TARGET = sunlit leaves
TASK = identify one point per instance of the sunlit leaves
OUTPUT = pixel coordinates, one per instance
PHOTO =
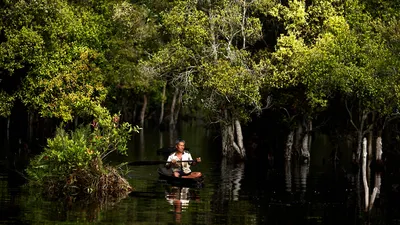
(187, 24)
(22, 47)
(235, 85)
(286, 60)
(68, 92)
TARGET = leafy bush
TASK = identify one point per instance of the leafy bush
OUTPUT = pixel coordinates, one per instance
(80, 150)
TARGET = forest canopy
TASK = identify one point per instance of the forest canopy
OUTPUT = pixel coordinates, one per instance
(231, 60)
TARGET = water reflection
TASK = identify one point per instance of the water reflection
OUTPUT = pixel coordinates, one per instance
(288, 176)
(299, 178)
(142, 143)
(233, 193)
(179, 198)
(231, 176)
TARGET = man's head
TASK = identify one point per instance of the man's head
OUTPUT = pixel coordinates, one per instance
(180, 145)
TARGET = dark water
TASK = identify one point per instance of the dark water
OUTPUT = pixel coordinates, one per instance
(255, 192)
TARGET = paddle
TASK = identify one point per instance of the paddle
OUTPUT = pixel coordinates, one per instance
(154, 162)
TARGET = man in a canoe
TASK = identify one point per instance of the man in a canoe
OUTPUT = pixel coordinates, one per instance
(182, 169)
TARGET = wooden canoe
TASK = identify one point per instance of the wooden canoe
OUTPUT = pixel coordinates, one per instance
(166, 175)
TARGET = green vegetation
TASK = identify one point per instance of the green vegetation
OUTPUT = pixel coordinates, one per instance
(230, 60)
(72, 162)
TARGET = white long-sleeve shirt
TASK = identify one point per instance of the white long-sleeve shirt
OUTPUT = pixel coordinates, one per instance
(184, 166)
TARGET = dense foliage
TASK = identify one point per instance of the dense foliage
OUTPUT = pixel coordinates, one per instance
(73, 161)
(228, 59)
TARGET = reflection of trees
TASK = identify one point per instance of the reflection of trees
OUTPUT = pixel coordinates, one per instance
(300, 175)
(226, 197)
(231, 176)
(288, 176)
(142, 144)
(65, 210)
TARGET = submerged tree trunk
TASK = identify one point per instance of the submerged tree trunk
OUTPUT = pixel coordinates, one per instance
(232, 137)
(288, 176)
(364, 173)
(300, 176)
(289, 146)
(369, 149)
(375, 192)
(231, 177)
(297, 139)
(378, 154)
(360, 135)
(239, 137)
(305, 148)
(369, 153)
(143, 111)
(160, 120)
(237, 176)
(224, 137)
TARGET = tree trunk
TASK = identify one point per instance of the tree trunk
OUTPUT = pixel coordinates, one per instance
(376, 191)
(364, 173)
(360, 134)
(369, 153)
(162, 103)
(143, 111)
(172, 111)
(239, 137)
(233, 144)
(289, 145)
(298, 138)
(224, 134)
(305, 147)
(214, 44)
(378, 154)
(178, 108)
(370, 141)
(232, 137)
(378, 158)
(243, 24)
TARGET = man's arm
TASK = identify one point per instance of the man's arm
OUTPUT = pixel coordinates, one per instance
(190, 158)
(172, 162)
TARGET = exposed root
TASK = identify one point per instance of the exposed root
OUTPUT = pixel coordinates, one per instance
(96, 181)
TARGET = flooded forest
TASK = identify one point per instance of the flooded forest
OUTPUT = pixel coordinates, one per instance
(293, 107)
